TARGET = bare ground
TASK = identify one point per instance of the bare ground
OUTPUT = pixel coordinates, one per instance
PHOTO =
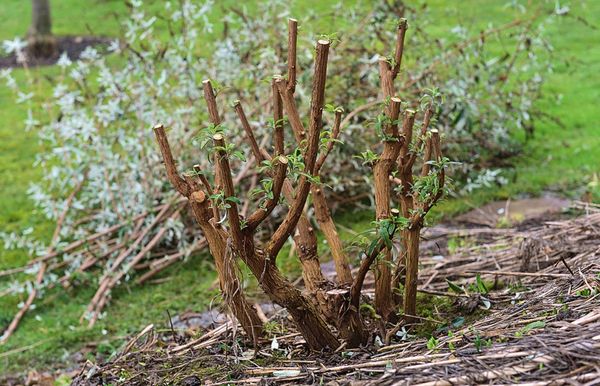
(73, 46)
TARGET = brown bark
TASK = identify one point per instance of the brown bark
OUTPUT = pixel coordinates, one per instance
(232, 290)
(305, 238)
(310, 155)
(279, 289)
(351, 325)
(304, 313)
(292, 40)
(381, 173)
(405, 161)
(402, 26)
(323, 214)
(327, 225)
(412, 269)
(277, 120)
(412, 234)
(213, 113)
(306, 246)
(235, 226)
(225, 265)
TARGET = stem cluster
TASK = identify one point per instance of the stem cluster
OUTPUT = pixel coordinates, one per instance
(325, 306)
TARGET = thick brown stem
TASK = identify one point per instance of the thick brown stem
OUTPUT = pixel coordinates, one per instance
(211, 102)
(292, 40)
(208, 188)
(306, 243)
(323, 217)
(413, 232)
(304, 313)
(305, 240)
(381, 173)
(289, 105)
(402, 26)
(385, 78)
(226, 267)
(412, 270)
(178, 183)
(249, 133)
(351, 325)
(277, 119)
(406, 200)
(426, 157)
(405, 160)
(216, 238)
(365, 265)
(213, 113)
(235, 227)
(306, 247)
(310, 155)
(407, 132)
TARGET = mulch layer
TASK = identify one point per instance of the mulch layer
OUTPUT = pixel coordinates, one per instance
(538, 324)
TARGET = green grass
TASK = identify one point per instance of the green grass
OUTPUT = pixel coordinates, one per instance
(558, 158)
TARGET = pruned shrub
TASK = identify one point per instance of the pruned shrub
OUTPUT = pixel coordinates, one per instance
(101, 179)
(233, 236)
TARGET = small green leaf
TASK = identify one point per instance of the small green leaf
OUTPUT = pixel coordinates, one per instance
(234, 199)
(432, 343)
(482, 289)
(529, 327)
(372, 247)
(454, 287)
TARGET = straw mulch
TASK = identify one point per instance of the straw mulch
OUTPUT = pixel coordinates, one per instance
(542, 326)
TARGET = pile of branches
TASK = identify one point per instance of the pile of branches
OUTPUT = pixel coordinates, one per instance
(545, 329)
(102, 182)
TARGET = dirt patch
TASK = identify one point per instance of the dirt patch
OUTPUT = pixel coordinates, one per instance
(511, 212)
(73, 46)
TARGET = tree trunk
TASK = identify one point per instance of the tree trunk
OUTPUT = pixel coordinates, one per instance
(41, 43)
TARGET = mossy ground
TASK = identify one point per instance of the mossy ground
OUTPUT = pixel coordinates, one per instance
(563, 159)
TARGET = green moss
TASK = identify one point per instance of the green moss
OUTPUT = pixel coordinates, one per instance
(435, 308)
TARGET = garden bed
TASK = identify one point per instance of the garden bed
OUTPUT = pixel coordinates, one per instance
(504, 306)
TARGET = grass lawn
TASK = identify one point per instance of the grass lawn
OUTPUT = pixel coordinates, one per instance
(564, 159)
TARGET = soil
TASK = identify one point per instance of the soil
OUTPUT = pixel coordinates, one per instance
(72, 45)
(511, 212)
